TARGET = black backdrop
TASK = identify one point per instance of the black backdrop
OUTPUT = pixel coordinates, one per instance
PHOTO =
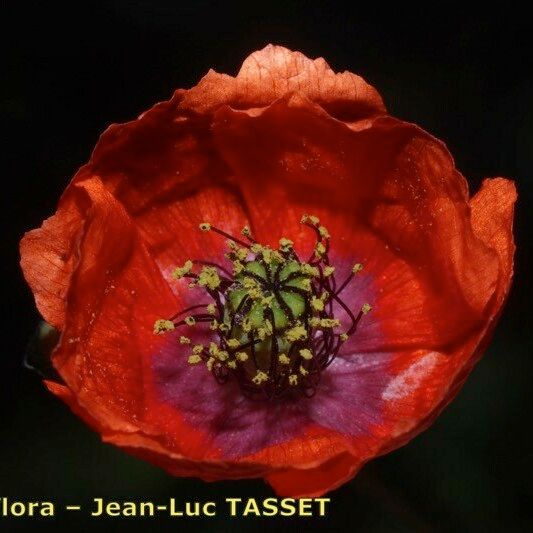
(70, 71)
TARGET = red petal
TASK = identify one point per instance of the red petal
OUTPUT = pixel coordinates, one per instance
(164, 170)
(492, 221)
(314, 482)
(48, 256)
(273, 72)
(115, 294)
(391, 180)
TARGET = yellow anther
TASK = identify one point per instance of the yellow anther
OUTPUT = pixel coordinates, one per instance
(180, 272)
(285, 244)
(197, 349)
(246, 231)
(232, 364)
(314, 322)
(253, 288)
(296, 333)
(267, 255)
(328, 271)
(260, 377)
(306, 219)
(209, 278)
(238, 267)
(320, 249)
(303, 371)
(246, 325)
(192, 285)
(357, 268)
(241, 253)
(211, 309)
(213, 348)
(309, 270)
(283, 359)
(324, 233)
(366, 308)
(306, 284)
(241, 356)
(194, 359)
(343, 337)
(205, 226)
(261, 333)
(233, 343)
(185, 340)
(293, 379)
(162, 325)
(222, 355)
(209, 364)
(223, 327)
(249, 283)
(256, 248)
(306, 354)
(232, 245)
(268, 327)
(190, 321)
(214, 325)
(317, 304)
(329, 323)
(277, 257)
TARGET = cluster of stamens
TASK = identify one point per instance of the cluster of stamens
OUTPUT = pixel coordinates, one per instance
(272, 318)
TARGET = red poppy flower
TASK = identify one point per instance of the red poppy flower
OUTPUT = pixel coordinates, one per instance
(276, 369)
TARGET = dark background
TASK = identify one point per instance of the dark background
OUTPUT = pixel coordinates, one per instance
(467, 78)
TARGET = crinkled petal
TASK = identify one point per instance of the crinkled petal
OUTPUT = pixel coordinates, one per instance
(48, 256)
(274, 72)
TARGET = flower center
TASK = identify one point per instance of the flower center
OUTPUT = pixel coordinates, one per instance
(272, 318)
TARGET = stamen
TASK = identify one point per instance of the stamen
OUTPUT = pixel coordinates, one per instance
(324, 233)
(310, 219)
(241, 356)
(328, 271)
(246, 232)
(260, 377)
(180, 272)
(296, 333)
(283, 359)
(209, 278)
(162, 325)
(317, 304)
(306, 354)
(320, 249)
(285, 245)
(205, 226)
(272, 317)
(233, 343)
